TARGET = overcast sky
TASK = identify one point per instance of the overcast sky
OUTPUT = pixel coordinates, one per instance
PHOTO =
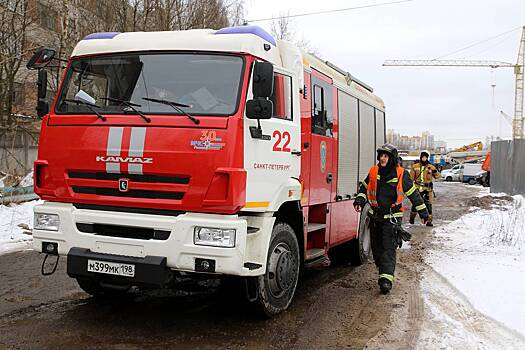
(455, 104)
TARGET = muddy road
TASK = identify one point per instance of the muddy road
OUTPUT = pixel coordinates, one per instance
(334, 307)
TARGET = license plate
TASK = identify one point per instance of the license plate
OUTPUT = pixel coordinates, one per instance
(110, 268)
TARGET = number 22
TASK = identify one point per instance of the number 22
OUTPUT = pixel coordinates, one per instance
(285, 136)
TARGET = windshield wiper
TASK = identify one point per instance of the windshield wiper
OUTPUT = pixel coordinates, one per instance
(89, 106)
(176, 106)
(128, 104)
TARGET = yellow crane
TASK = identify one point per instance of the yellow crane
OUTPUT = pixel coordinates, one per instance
(476, 146)
(517, 121)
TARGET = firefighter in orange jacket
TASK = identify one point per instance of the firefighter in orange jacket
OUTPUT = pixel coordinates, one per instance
(423, 173)
(384, 188)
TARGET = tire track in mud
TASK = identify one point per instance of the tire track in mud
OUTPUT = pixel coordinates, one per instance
(415, 314)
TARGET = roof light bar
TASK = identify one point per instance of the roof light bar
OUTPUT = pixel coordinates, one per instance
(102, 35)
(255, 30)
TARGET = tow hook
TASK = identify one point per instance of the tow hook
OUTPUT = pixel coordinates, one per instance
(44, 273)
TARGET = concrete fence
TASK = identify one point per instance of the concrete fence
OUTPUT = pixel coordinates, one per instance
(508, 167)
(18, 151)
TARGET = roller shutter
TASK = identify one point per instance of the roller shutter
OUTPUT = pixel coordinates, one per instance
(380, 128)
(348, 145)
(367, 150)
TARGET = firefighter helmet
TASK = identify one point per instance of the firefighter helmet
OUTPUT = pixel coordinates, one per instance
(424, 152)
(389, 149)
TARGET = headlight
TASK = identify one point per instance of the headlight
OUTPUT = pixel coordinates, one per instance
(49, 222)
(212, 236)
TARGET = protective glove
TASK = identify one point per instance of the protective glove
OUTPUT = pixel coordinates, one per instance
(359, 203)
(400, 235)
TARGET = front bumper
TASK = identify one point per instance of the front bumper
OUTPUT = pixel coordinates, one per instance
(150, 270)
(247, 258)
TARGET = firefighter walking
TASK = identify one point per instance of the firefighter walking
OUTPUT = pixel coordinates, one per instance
(423, 173)
(384, 188)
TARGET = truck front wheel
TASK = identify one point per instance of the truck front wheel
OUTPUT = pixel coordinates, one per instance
(277, 286)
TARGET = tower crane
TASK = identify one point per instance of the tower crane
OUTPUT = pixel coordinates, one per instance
(518, 120)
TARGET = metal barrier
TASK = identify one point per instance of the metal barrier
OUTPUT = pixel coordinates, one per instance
(17, 194)
(508, 167)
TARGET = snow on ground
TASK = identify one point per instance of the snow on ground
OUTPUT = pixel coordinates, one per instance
(12, 217)
(482, 255)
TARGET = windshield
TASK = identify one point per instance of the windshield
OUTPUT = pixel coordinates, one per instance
(209, 84)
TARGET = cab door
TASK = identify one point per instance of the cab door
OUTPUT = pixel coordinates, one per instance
(322, 142)
(273, 159)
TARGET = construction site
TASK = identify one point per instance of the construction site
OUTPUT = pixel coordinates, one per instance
(239, 175)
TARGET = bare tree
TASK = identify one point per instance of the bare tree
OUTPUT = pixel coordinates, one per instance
(15, 19)
(283, 28)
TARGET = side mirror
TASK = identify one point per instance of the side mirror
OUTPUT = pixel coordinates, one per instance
(42, 84)
(262, 85)
(259, 109)
(40, 58)
(42, 107)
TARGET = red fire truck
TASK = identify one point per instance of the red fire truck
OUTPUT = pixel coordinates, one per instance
(215, 152)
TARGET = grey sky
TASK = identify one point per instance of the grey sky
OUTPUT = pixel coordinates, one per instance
(455, 104)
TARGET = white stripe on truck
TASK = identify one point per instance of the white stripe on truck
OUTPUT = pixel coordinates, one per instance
(114, 147)
(136, 148)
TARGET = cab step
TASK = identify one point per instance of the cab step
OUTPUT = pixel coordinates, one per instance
(312, 226)
(314, 253)
(317, 261)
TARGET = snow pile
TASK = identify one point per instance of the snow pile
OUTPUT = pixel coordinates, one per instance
(16, 222)
(27, 180)
(483, 255)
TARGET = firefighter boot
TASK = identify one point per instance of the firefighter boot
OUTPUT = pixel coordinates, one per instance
(412, 217)
(385, 285)
(429, 222)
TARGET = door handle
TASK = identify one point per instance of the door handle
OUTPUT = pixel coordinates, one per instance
(329, 178)
(296, 153)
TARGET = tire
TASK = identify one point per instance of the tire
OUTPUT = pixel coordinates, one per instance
(341, 254)
(277, 286)
(360, 247)
(449, 179)
(471, 181)
(94, 288)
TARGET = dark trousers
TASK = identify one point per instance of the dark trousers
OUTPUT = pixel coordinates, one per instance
(383, 246)
(427, 198)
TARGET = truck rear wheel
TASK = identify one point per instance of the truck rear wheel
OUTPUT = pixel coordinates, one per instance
(341, 254)
(360, 247)
(94, 288)
(276, 287)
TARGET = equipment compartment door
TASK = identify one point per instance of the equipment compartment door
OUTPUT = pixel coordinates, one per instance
(321, 161)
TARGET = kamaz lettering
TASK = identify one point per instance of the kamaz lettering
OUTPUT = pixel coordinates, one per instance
(112, 159)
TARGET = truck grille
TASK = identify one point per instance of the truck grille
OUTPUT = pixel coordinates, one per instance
(183, 180)
(124, 231)
(100, 191)
(140, 186)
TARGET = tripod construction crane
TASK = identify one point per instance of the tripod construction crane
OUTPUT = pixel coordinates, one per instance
(518, 120)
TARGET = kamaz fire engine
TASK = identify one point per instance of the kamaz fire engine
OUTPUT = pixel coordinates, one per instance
(202, 152)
